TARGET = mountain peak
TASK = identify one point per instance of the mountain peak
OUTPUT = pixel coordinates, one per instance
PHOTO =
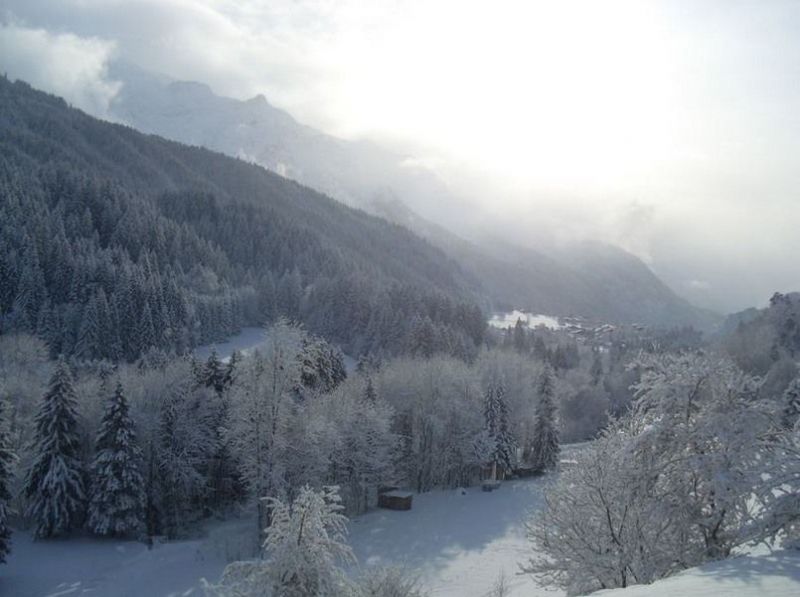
(190, 88)
(259, 99)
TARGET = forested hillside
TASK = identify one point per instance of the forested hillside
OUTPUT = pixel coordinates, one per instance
(588, 279)
(113, 242)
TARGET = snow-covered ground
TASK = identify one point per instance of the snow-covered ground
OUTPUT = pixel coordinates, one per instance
(760, 573)
(508, 320)
(457, 544)
(245, 341)
(88, 566)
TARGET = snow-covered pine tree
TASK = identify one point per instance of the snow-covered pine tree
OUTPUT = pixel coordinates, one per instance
(370, 395)
(31, 289)
(212, 373)
(496, 416)
(791, 404)
(87, 346)
(225, 480)
(544, 443)
(54, 485)
(230, 369)
(596, 370)
(6, 458)
(519, 335)
(117, 498)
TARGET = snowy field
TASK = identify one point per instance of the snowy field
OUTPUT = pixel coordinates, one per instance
(456, 544)
(245, 341)
(100, 568)
(509, 320)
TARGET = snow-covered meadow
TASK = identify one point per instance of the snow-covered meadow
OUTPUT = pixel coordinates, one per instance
(456, 543)
(247, 340)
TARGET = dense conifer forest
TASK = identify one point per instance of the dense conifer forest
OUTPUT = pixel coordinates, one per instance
(113, 242)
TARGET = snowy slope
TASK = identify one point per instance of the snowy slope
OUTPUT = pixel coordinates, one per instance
(758, 574)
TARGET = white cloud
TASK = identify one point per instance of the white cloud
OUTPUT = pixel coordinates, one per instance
(64, 64)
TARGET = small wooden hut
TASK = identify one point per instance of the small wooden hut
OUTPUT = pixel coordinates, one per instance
(395, 500)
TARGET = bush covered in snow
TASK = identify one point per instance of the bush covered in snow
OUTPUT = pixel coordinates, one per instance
(668, 486)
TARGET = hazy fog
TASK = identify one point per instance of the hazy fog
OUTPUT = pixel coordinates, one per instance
(669, 128)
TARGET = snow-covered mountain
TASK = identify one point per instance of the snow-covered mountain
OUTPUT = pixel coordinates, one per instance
(353, 172)
(592, 280)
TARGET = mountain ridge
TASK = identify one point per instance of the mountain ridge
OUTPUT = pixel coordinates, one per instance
(555, 281)
(232, 242)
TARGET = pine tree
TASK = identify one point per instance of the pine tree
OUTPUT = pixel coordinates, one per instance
(117, 502)
(89, 335)
(496, 416)
(520, 338)
(370, 395)
(145, 333)
(31, 290)
(230, 370)
(596, 370)
(791, 404)
(545, 445)
(54, 485)
(213, 374)
(6, 459)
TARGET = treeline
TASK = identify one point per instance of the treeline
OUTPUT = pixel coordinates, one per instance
(151, 448)
(113, 243)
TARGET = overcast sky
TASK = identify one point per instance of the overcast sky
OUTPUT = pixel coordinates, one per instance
(671, 128)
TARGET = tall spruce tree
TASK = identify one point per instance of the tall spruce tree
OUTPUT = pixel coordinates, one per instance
(225, 481)
(31, 289)
(54, 485)
(6, 459)
(117, 501)
(496, 416)
(520, 337)
(87, 345)
(213, 373)
(545, 446)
